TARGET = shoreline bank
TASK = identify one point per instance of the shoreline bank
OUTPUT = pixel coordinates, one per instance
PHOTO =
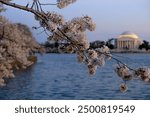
(130, 51)
(55, 50)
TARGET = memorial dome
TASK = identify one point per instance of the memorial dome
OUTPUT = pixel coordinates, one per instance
(129, 35)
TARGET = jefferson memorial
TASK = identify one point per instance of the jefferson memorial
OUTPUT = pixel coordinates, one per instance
(128, 40)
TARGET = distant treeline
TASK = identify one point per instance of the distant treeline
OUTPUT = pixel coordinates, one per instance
(52, 47)
(145, 45)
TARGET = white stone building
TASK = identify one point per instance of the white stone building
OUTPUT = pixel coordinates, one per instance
(128, 40)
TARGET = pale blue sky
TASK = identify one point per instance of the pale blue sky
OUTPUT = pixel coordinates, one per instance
(111, 16)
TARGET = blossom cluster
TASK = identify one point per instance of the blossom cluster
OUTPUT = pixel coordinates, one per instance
(143, 74)
(123, 72)
(52, 21)
(123, 87)
(55, 18)
(128, 74)
(74, 31)
(94, 58)
(63, 3)
(79, 24)
(16, 45)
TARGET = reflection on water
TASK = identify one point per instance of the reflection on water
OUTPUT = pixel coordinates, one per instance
(57, 76)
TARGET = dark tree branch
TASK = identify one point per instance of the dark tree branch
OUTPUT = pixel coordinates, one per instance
(35, 12)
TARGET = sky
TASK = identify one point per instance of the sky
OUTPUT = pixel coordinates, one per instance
(112, 17)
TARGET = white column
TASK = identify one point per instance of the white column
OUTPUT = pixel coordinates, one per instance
(117, 43)
(125, 42)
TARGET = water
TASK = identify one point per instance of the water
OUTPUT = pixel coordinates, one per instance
(59, 76)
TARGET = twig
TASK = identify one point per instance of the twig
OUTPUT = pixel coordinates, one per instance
(39, 5)
(47, 4)
(118, 61)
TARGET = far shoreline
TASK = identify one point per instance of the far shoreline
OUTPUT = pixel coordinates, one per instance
(130, 51)
(53, 49)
